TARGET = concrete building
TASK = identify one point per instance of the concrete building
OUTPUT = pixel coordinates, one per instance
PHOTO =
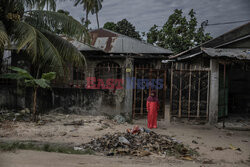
(212, 81)
(101, 86)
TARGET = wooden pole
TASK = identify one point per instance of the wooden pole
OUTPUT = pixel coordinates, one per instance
(224, 111)
(164, 93)
(171, 90)
(180, 92)
(157, 77)
(199, 94)
(150, 79)
(189, 92)
(142, 92)
(208, 92)
(134, 105)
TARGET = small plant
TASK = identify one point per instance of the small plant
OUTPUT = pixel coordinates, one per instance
(29, 81)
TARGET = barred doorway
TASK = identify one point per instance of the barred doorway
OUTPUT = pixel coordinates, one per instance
(146, 80)
(189, 97)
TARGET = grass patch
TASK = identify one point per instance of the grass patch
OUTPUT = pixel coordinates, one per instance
(42, 147)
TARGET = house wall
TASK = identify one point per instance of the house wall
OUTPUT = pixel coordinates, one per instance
(71, 95)
(81, 101)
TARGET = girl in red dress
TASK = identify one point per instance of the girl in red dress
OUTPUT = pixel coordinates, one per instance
(152, 108)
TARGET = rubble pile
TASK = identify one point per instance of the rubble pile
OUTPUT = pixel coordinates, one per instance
(142, 143)
(12, 115)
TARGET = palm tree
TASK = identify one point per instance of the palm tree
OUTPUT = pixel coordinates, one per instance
(35, 32)
(95, 10)
(93, 6)
(87, 6)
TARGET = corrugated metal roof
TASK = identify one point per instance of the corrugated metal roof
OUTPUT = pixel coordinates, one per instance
(237, 34)
(112, 42)
(241, 54)
(80, 45)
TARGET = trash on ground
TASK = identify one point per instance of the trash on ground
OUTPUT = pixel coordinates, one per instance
(119, 119)
(208, 161)
(219, 148)
(78, 123)
(78, 148)
(137, 129)
(234, 148)
(123, 140)
(195, 142)
(142, 143)
(188, 158)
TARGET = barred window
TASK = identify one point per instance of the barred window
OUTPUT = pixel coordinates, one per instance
(108, 70)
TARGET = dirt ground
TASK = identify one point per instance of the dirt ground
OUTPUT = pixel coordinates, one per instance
(217, 147)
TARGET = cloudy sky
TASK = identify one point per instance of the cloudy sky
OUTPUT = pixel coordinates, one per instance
(145, 13)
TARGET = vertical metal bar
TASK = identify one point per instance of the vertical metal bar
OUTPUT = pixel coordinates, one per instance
(157, 77)
(164, 93)
(224, 111)
(171, 90)
(150, 79)
(113, 71)
(180, 92)
(142, 92)
(198, 100)
(208, 93)
(134, 105)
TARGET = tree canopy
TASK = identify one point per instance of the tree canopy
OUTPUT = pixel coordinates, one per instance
(93, 6)
(36, 33)
(123, 27)
(179, 33)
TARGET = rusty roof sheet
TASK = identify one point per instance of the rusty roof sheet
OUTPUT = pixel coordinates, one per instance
(112, 42)
(80, 45)
(241, 54)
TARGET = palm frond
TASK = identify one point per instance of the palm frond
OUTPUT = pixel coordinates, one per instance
(27, 3)
(97, 6)
(49, 4)
(77, 2)
(39, 4)
(68, 51)
(49, 54)
(40, 49)
(3, 35)
(25, 37)
(57, 22)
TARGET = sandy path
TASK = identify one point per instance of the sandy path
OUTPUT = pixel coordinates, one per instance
(204, 138)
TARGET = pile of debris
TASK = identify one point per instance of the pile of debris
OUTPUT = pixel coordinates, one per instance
(138, 142)
(13, 115)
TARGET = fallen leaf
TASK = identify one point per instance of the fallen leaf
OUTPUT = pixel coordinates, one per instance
(219, 148)
(188, 158)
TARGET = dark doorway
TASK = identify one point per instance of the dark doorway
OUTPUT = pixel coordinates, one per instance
(234, 90)
(239, 89)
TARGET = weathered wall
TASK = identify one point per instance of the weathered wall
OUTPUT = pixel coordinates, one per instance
(8, 97)
(82, 101)
(214, 92)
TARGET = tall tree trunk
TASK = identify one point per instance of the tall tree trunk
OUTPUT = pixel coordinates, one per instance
(34, 104)
(97, 20)
(87, 19)
(35, 96)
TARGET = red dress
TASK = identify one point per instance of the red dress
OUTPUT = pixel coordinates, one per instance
(152, 108)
